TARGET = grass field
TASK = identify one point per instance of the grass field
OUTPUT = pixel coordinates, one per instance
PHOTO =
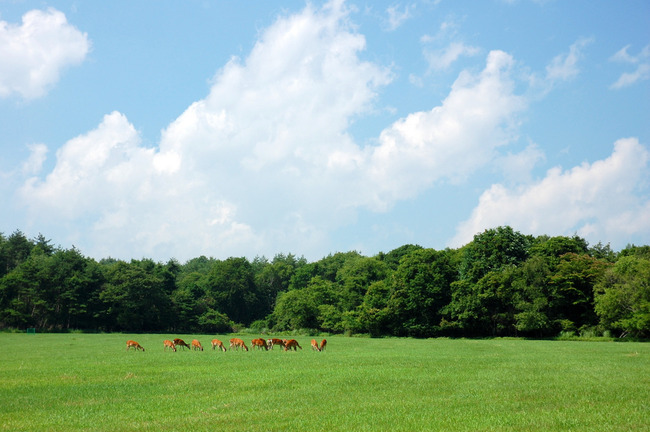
(88, 382)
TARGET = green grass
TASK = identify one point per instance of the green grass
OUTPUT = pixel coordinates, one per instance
(88, 382)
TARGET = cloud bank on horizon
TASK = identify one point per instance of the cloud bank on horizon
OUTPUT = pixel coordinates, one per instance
(268, 161)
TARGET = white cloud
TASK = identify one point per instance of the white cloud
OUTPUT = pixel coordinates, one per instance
(36, 52)
(623, 56)
(642, 72)
(108, 179)
(443, 59)
(600, 201)
(565, 66)
(397, 17)
(450, 141)
(265, 161)
(92, 170)
(517, 168)
(37, 155)
(260, 164)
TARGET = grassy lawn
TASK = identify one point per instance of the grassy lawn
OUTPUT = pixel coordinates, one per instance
(88, 382)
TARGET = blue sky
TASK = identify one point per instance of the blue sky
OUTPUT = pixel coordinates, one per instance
(160, 130)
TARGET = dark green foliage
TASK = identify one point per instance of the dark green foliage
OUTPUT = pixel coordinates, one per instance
(231, 284)
(420, 290)
(393, 258)
(484, 308)
(503, 283)
(623, 297)
(493, 250)
(134, 297)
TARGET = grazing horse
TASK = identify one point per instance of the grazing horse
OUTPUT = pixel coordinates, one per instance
(273, 342)
(133, 344)
(236, 343)
(196, 345)
(218, 343)
(292, 343)
(181, 342)
(323, 344)
(169, 344)
(259, 343)
(314, 345)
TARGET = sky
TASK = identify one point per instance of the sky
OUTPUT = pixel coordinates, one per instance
(179, 129)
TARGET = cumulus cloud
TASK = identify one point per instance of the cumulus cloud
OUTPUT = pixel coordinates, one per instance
(265, 161)
(602, 200)
(130, 198)
(37, 155)
(517, 167)
(259, 164)
(642, 62)
(451, 140)
(35, 52)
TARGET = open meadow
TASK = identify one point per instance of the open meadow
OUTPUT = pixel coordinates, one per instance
(89, 382)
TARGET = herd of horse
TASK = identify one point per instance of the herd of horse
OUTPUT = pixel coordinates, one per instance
(235, 344)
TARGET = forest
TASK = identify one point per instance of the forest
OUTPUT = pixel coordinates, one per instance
(502, 283)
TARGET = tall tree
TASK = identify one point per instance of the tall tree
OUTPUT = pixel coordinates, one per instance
(274, 277)
(573, 289)
(355, 277)
(492, 250)
(135, 298)
(420, 290)
(232, 285)
(623, 297)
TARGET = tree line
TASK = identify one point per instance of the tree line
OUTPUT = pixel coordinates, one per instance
(502, 283)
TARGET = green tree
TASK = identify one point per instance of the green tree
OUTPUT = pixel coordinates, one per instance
(493, 250)
(295, 309)
(274, 277)
(355, 277)
(14, 250)
(637, 251)
(74, 284)
(553, 248)
(393, 258)
(212, 321)
(135, 298)
(312, 307)
(231, 283)
(623, 297)
(419, 292)
(484, 308)
(373, 315)
(531, 293)
(21, 294)
(573, 289)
